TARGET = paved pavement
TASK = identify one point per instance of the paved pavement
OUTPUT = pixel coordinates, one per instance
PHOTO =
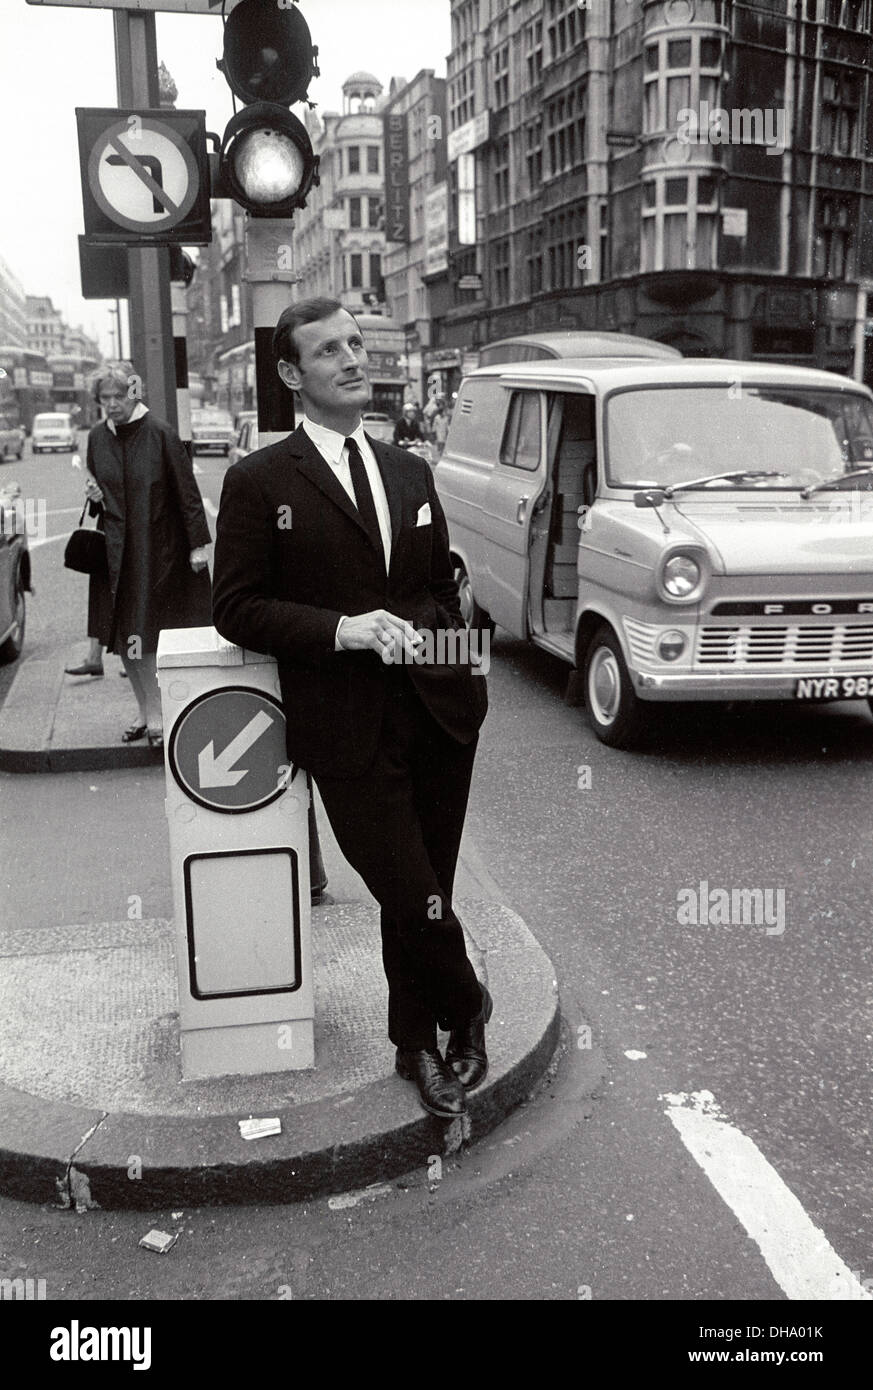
(90, 1080)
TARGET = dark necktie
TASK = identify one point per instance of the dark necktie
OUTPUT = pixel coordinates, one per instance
(364, 497)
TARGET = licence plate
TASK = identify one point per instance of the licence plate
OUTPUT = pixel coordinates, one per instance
(834, 687)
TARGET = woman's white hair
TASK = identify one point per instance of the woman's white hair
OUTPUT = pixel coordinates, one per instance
(119, 371)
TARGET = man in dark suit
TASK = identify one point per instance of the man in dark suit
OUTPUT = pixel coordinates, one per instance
(332, 553)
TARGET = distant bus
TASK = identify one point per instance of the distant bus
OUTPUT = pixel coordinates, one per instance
(27, 385)
(71, 377)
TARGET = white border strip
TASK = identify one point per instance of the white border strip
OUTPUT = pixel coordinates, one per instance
(797, 1253)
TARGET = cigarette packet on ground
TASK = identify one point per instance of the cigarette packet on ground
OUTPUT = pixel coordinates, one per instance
(259, 1129)
(159, 1241)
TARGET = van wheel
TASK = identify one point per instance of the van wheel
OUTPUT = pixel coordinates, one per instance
(615, 713)
(11, 648)
(475, 618)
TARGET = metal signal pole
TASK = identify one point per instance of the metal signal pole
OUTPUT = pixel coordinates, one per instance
(151, 326)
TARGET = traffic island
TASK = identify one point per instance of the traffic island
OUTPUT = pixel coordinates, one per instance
(93, 1108)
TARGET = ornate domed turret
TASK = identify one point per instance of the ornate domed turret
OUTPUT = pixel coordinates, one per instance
(361, 92)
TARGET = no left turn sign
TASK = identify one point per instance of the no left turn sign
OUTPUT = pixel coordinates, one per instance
(144, 175)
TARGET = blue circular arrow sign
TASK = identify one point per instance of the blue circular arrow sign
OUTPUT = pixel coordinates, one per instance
(227, 750)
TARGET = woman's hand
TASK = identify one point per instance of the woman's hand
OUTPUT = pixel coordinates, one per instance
(92, 492)
(198, 558)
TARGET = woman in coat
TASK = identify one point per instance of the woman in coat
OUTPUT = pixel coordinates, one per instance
(156, 534)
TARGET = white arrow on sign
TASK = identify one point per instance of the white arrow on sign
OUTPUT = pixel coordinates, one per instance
(216, 772)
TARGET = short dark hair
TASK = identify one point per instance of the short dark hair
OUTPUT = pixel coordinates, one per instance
(305, 311)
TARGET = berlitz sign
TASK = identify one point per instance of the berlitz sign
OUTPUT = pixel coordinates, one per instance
(396, 177)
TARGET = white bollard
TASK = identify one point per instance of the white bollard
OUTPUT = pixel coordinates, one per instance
(239, 849)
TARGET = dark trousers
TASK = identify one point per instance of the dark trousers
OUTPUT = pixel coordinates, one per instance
(399, 825)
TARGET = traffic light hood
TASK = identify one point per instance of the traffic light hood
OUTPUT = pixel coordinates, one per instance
(268, 52)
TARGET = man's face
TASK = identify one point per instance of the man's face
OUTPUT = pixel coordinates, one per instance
(332, 373)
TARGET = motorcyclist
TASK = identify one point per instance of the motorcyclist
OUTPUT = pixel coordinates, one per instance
(408, 430)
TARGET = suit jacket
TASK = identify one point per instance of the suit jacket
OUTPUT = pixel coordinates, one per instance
(292, 557)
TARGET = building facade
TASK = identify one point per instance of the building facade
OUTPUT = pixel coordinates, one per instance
(697, 171)
(221, 350)
(13, 314)
(45, 326)
(338, 239)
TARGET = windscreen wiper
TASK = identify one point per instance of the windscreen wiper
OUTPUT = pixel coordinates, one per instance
(743, 473)
(829, 482)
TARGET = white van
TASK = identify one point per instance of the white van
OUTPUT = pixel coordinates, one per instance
(674, 530)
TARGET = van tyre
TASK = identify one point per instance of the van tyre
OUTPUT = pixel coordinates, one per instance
(475, 618)
(10, 650)
(616, 715)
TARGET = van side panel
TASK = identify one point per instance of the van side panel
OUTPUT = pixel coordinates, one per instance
(462, 474)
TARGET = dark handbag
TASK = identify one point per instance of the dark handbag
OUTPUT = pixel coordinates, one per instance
(85, 551)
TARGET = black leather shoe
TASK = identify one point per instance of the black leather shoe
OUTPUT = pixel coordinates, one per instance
(87, 668)
(466, 1053)
(439, 1090)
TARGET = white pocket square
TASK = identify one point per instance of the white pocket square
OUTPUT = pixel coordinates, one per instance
(423, 518)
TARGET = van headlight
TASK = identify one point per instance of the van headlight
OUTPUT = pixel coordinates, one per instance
(671, 645)
(681, 576)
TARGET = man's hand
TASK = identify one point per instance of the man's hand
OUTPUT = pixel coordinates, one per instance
(198, 558)
(380, 632)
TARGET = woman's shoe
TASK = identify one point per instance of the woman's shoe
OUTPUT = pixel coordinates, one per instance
(87, 668)
(156, 738)
(134, 733)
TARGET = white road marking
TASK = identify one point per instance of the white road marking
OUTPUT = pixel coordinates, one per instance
(210, 507)
(196, 467)
(47, 540)
(798, 1255)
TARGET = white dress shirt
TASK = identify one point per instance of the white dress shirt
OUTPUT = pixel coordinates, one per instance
(332, 447)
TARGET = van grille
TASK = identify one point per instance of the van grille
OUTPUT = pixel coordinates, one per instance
(833, 644)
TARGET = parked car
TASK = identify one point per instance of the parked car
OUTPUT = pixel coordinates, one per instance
(246, 440)
(12, 439)
(212, 431)
(378, 425)
(14, 573)
(52, 431)
(673, 530)
(533, 347)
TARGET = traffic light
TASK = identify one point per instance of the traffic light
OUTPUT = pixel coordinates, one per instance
(266, 161)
